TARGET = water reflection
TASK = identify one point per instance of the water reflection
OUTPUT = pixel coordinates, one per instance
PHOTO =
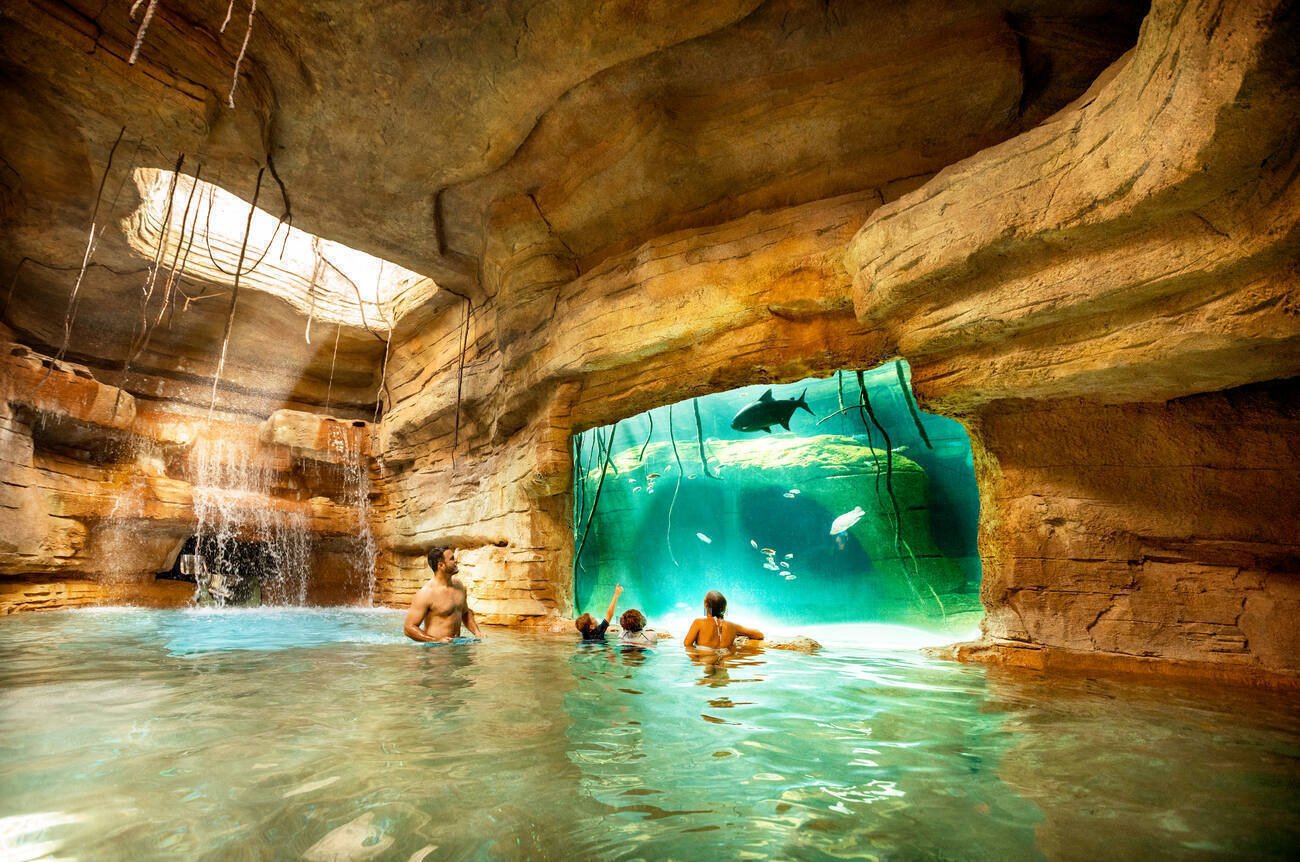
(531, 747)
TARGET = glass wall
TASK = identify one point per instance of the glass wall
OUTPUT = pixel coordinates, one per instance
(864, 510)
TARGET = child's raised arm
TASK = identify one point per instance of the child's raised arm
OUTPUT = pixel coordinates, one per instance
(609, 614)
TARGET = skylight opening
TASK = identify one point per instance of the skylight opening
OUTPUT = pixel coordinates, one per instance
(201, 230)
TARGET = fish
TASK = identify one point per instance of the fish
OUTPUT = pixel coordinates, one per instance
(752, 542)
(637, 488)
(692, 476)
(703, 538)
(771, 566)
(795, 491)
(790, 577)
(768, 551)
(848, 519)
(784, 564)
(789, 556)
(768, 411)
(788, 495)
(652, 476)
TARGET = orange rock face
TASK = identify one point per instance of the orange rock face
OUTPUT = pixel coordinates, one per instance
(1080, 233)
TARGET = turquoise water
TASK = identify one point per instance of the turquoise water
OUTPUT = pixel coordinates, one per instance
(323, 734)
(684, 508)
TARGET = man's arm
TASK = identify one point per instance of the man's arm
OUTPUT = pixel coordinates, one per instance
(415, 616)
(613, 603)
(470, 623)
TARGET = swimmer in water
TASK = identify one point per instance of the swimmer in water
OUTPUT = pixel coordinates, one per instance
(587, 625)
(634, 631)
(441, 605)
(712, 631)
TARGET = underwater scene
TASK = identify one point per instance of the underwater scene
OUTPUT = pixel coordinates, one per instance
(829, 500)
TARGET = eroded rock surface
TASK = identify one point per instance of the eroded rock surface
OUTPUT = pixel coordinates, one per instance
(1076, 232)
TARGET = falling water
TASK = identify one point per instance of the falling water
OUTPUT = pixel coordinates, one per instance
(346, 442)
(233, 491)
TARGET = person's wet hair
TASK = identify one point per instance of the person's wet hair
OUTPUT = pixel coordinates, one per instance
(435, 556)
(632, 620)
(585, 623)
(715, 603)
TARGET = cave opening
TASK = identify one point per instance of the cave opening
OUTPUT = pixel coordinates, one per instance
(865, 510)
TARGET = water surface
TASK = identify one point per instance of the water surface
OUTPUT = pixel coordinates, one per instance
(271, 734)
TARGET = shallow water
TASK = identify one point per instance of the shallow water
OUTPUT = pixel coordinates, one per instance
(261, 734)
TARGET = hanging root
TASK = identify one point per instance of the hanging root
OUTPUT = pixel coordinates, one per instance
(383, 381)
(234, 294)
(651, 416)
(900, 547)
(699, 435)
(174, 273)
(388, 346)
(234, 79)
(911, 403)
(595, 501)
(338, 328)
(146, 295)
(144, 25)
(460, 380)
(580, 479)
(317, 271)
(71, 313)
(676, 488)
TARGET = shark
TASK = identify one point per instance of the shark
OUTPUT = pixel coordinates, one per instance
(768, 411)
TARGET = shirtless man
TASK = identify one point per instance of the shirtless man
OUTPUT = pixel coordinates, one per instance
(440, 606)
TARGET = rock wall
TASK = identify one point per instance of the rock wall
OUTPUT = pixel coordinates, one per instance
(1068, 294)
(99, 489)
(1145, 531)
(763, 297)
(644, 210)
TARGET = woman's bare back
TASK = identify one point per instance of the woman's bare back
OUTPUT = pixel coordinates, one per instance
(713, 633)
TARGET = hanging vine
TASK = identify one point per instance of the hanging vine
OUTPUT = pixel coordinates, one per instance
(460, 380)
(338, 328)
(248, 32)
(91, 240)
(151, 281)
(676, 488)
(911, 403)
(699, 435)
(234, 294)
(901, 548)
(595, 501)
(651, 416)
(144, 26)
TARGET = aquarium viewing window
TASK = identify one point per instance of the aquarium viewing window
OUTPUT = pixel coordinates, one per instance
(864, 510)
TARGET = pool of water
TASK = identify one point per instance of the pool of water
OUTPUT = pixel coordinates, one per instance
(324, 734)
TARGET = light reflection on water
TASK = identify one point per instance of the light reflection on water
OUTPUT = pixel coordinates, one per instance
(325, 734)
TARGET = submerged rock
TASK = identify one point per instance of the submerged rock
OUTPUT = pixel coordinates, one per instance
(794, 643)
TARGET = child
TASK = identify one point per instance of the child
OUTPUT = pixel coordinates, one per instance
(587, 623)
(634, 631)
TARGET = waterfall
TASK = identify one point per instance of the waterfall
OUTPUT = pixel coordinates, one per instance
(243, 531)
(346, 443)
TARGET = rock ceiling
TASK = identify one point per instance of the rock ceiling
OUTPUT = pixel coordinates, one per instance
(421, 132)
